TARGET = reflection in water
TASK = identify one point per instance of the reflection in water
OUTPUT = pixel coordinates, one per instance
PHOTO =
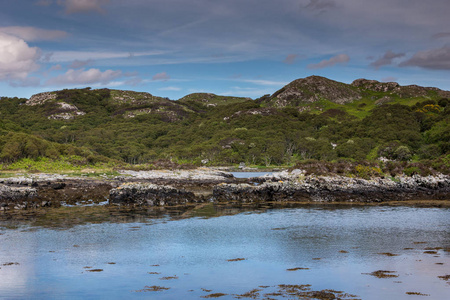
(187, 253)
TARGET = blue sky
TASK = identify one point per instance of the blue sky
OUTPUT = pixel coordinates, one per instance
(245, 48)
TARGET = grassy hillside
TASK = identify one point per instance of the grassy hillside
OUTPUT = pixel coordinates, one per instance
(310, 119)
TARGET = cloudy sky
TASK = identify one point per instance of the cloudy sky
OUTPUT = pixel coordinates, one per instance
(249, 48)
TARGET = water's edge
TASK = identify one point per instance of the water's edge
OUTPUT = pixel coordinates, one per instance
(173, 188)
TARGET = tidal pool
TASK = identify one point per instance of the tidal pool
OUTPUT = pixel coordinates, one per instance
(261, 254)
(249, 174)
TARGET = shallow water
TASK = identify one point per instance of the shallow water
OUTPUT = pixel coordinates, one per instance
(249, 174)
(338, 247)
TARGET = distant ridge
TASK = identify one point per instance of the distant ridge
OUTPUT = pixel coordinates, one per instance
(315, 88)
(298, 93)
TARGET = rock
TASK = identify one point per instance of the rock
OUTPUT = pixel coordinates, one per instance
(151, 194)
(202, 174)
(40, 98)
(334, 188)
(375, 85)
(57, 185)
(383, 100)
(180, 187)
(313, 89)
(16, 193)
(66, 111)
(284, 175)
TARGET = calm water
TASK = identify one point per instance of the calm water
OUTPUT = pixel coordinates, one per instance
(249, 174)
(190, 257)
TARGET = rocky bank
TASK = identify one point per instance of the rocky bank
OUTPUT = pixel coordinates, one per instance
(185, 187)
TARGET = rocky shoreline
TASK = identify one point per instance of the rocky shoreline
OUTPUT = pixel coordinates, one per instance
(185, 187)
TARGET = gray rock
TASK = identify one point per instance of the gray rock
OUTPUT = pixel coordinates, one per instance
(150, 194)
(16, 193)
(336, 188)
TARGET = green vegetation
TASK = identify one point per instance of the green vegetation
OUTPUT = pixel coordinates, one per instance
(104, 129)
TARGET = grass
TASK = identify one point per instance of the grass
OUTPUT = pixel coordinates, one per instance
(70, 165)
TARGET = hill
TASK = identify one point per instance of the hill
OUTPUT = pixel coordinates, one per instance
(310, 118)
(210, 100)
(313, 89)
(69, 104)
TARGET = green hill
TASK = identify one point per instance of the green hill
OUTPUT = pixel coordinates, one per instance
(310, 118)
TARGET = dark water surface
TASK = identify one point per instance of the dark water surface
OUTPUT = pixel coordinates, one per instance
(337, 247)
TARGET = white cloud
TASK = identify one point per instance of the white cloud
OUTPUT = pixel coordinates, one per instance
(341, 58)
(33, 34)
(83, 6)
(78, 77)
(161, 76)
(17, 59)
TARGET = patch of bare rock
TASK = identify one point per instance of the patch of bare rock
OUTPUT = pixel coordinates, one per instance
(182, 187)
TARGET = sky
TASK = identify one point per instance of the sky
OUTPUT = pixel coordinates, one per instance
(247, 48)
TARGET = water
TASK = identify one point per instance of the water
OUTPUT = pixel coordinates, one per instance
(249, 174)
(338, 247)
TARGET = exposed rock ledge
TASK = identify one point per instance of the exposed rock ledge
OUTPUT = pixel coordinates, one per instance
(181, 187)
(151, 194)
(337, 188)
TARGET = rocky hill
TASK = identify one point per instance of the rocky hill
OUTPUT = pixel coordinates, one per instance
(309, 91)
(70, 104)
(394, 88)
(310, 118)
(315, 88)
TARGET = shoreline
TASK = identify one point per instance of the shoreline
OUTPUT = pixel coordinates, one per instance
(167, 188)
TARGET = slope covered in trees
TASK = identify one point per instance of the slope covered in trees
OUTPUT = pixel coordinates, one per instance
(313, 118)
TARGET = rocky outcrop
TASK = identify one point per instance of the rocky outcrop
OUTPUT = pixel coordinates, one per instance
(262, 111)
(313, 89)
(183, 187)
(12, 197)
(11, 193)
(41, 98)
(131, 97)
(407, 91)
(65, 111)
(40, 190)
(337, 188)
(375, 85)
(383, 100)
(62, 111)
(151, 194)
(201, 174)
